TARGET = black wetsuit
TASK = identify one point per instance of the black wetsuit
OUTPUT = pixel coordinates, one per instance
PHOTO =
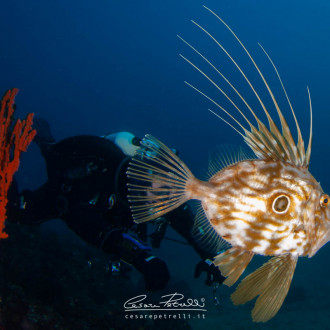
(86, 188)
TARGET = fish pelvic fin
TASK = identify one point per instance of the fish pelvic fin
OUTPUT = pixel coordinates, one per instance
(271, 282)
(157, 180)
(232, 264)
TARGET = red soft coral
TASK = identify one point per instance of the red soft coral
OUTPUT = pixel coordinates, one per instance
(13, 140)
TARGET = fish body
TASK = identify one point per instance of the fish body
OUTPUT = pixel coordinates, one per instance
(266, 207)
(269, 204)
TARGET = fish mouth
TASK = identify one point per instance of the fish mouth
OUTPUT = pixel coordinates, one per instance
(320, 241)
(317, 229)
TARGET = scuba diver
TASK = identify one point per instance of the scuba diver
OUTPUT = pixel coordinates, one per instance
(87, 189)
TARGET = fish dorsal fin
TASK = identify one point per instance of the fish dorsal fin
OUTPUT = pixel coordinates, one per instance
(270, 142)
(205, 235)
(226, 155)
(271, 282)
(232, 264)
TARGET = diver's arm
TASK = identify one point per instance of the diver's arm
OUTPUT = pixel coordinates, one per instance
(182, 221)
(32, 207)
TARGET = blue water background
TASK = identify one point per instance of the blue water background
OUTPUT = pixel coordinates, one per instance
(96, 67)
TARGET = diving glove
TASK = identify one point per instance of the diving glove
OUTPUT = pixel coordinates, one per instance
(213, 272)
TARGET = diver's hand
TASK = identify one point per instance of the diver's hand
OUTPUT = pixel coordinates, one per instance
(213, 272)
(155, 272)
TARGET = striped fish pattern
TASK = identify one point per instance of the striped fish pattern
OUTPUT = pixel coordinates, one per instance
(239, 198)
(269, 205)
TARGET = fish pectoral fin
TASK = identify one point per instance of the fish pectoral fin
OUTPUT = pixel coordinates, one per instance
(271, 282)
(157, 180)
(232, 264)
(205, 236)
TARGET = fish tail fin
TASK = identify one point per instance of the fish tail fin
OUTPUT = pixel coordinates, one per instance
(157, 180)
(271, 282)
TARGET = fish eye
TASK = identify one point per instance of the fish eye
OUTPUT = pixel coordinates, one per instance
(281, 204)
(324, 200)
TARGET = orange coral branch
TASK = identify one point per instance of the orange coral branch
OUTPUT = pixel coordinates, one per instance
(13, 141)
